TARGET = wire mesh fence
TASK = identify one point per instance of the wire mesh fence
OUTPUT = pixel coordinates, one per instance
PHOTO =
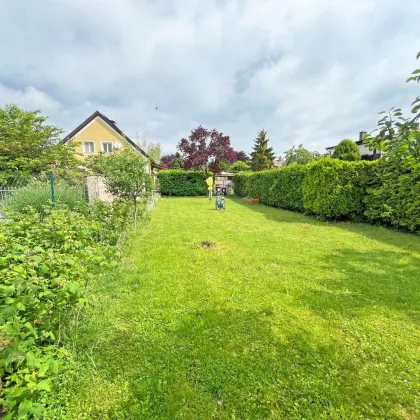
(6, 191)
(39, 191)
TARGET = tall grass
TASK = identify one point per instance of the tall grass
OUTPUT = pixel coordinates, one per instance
(38, 194)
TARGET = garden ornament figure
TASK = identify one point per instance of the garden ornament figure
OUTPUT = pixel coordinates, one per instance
(220, 200)
(209, 182)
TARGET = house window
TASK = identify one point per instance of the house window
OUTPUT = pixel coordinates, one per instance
(88, 147)
(107, 146)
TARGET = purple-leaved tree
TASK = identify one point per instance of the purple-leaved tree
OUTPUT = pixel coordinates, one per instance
(206, 149)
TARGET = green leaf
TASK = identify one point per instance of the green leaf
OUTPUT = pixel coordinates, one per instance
(24, 407)
(416, 71)
(415, 109)
(37, 409)
(418, 55)
(20, 306)
(44, 385)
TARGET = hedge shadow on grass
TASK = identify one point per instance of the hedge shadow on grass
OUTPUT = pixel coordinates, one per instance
(367, 280)
(401, 239)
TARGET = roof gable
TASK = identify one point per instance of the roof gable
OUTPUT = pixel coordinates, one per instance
(111, 124)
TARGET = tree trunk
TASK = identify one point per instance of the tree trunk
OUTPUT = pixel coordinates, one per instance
(135, 213)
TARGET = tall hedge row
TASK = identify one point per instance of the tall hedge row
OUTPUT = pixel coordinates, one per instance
(393, 196)
(182, 183)
(241, 180)
(278, 187)
(335, 189)
(379, 192)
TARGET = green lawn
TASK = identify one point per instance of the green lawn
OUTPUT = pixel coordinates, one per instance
(283, 317)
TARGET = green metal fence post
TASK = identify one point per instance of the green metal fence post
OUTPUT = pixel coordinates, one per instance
(52, 187)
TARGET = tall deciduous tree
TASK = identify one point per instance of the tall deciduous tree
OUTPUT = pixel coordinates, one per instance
(206, 149)
(398, 137)
(154, 150)
(300, 155)
(262, 156)
(166, 161)
(28, 143)
(242, 156)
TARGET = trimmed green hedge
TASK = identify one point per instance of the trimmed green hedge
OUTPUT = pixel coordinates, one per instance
(335, 189)
(277, 187)
(380, 192)
(240, 180)
(393, 196)
(286, 192)
(182, 183)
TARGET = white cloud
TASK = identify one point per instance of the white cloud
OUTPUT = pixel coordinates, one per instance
(308, 72)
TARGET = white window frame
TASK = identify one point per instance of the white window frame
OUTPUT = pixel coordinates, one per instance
(107, 142)
(84, 143)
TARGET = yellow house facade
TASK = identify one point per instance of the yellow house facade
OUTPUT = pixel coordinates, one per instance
(99, 134)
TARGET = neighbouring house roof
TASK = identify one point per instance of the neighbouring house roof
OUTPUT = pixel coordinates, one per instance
(111, 124)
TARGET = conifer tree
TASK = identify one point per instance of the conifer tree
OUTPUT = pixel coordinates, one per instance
(262, 156)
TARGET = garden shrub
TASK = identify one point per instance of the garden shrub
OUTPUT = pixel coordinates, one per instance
(183, 183)
(383, 191)
(393, 196)
(276, 187)
(335, 189)
(44, 267)
(286, 191)
(347, 150)
(259, 183)
(240, 180)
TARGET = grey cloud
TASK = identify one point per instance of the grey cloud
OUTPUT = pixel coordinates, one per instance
(308, 72)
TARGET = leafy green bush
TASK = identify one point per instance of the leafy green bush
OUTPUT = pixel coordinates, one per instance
(334, 189)
(277, 187)
(347, 150)
(386, 192)
(259, 183)
(240, 180)
(116, 217)
(126, 176)
(239, 166)
(44, 267)
(286, 191)
(393, 195)
(38, 194)
(182, 183)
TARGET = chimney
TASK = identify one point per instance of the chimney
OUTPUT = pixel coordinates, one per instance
(361, 135)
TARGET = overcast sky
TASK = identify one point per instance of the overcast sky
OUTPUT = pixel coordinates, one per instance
(307, 71)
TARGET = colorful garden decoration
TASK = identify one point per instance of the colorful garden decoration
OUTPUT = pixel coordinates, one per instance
(220, 201)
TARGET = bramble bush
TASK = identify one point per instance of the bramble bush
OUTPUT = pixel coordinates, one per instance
(45, 265)
(178, 182)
